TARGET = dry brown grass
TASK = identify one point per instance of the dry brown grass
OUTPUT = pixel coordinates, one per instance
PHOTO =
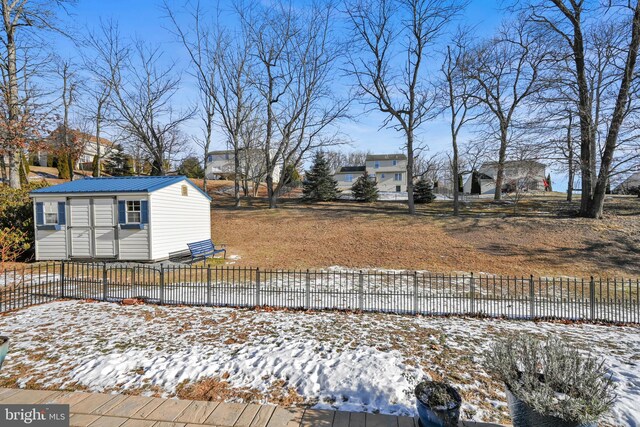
(544, 238)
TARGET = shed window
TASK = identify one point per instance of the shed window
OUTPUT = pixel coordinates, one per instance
(133, 212)
(50, 213)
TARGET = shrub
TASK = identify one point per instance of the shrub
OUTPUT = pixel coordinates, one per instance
(552, 377)
(319, 185)
(423, 191)
(16, 220)
(365, 189)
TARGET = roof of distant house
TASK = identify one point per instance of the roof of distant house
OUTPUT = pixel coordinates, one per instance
(85, 136)
(346, 169)
(529, 162)
(371, 157)
(121, 184)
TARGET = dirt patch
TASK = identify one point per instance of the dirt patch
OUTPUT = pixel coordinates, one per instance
(543, 238)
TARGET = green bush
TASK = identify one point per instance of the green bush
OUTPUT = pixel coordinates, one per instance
(319, 185)
(552, 377)
(423, 191)
(365, 189)
(16, 218)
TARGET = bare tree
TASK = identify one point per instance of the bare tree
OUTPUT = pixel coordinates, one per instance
(68, 146)
(296, 54)
(142, 90)
(459, 102)
(395, 38)
(506, 73)
(22, 20)
(566, 18)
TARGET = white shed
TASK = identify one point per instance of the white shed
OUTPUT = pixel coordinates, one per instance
(148, 218)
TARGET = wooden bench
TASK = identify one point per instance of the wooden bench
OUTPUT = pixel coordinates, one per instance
(204, 249)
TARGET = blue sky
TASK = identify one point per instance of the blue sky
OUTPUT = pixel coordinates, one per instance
(146, 19)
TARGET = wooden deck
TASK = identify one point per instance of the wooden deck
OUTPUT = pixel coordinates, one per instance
(114, 410)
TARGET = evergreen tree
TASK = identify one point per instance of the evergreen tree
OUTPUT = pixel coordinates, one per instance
(95, 165)
(63, 167)
(365, 189)
(191, 168)
(118, 163)
(319, 185)
(423, 191)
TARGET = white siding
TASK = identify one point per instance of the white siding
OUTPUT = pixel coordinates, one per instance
(50, 244)
(176, 220)
(134, 244)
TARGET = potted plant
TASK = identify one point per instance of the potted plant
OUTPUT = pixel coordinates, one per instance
(438, 404)
(549, 383)
(4, 348)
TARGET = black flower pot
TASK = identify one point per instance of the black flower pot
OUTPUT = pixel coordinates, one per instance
(4, 348)
(523, 415)
(438, 416)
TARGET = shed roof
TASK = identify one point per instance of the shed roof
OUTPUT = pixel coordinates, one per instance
(121, 184)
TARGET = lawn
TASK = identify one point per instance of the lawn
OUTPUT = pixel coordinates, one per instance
(544, 238)
(331, 360)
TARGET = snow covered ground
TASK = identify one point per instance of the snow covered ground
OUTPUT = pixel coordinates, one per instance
(347, 361)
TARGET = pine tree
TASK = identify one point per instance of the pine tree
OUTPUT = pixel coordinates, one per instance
(319, 185)
(63, 168)
(423, 191)
(365, 189)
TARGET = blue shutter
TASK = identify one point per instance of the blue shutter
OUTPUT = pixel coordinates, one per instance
(39, 213)
(144, 212)
(62, 220)
(122, 212)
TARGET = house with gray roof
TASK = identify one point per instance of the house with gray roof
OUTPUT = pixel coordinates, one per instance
(388, 170)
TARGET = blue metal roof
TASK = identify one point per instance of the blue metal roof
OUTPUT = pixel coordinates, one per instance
(124, 184)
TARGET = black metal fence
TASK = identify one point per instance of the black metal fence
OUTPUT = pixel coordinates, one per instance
(609, 300)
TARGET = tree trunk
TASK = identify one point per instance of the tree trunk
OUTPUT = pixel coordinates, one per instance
(236, 175)
(456, 180)
(410, 161)
(97, 171)
(14, 109)
(570, 160)
(502, 156)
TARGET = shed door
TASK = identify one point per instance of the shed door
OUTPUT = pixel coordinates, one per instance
(80, 228)
(104, 228)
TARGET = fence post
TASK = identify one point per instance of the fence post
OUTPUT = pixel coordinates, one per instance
(258, 302)
(62, 264)
(361, 291)
(415, 293)
(161, 284)
(208, 286)
(592, 298)
(532, 299)
(105, 289)
(307, 290)
(472, 288)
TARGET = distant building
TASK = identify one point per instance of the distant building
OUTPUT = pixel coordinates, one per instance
(221, 165)
(90, 149)
(631, 185)
(527, 174)
(388, 170)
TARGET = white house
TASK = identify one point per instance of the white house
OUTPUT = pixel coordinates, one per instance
(221, 164)
(528, 174)
(89, 146)
(146, 218)
(388, 170)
